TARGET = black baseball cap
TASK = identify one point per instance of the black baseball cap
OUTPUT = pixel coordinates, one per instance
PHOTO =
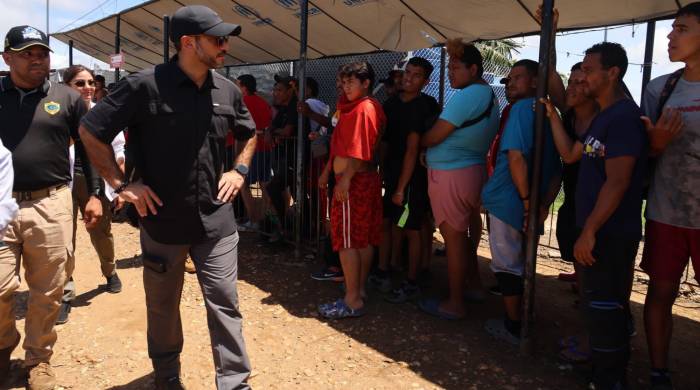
(283, 79)
(198, 20)
(22, 37)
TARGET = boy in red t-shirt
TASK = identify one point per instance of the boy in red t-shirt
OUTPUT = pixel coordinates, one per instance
(356, 208)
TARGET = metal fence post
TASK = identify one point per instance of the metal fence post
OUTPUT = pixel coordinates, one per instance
(648, 55)
(301, 77)
(70, 53)
(533, 217)
(117, 44)
(166, 38)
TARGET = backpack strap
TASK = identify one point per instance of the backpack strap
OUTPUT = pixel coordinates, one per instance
(484, 115)
(668, 90)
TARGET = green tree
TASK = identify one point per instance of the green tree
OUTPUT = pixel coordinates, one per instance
(499, 53)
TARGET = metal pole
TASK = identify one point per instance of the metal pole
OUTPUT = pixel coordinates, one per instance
(228, 72)
(47, 21)
(166, 38)
(533, 217)
(117, 44)
(648, 54)
(70, 52)
(443, 57)
(301, 76)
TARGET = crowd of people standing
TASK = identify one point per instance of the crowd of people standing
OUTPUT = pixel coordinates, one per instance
(173, 146)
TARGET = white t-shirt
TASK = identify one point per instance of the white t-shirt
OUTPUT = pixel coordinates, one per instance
(118, 144)
(8, 206)
(674, 196)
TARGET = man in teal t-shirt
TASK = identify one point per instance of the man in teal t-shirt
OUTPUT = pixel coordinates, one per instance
(506, 195)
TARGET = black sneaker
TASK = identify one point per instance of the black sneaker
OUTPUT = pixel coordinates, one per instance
(328, 274)
(495, 290)
(380, 283)
(63, 313)
(114, 285)
(406, 292)
(172, 383)
(660, 381)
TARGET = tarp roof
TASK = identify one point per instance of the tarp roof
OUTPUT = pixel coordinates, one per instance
(337, 27)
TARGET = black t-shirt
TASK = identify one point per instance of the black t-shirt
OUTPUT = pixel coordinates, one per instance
(404, 118)
(177, 140)
(37, 127)
(570, 172)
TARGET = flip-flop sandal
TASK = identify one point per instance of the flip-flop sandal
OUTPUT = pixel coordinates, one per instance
(432, 307)
(573, 355)
(338, 310)
(568, 342)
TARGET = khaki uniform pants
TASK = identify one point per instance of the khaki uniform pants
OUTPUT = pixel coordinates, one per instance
(40, 236)
(100, 236)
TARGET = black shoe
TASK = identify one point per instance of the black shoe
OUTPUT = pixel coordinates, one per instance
(172, 383)
(63, 313)
(660, 381)
(328, 274)
(114, 285)
(496, 290)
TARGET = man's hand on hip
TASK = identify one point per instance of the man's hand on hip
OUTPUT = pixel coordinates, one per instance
(143, 197)
(93, 212)
(230, 183)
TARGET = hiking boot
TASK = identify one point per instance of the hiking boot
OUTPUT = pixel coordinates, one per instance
(114, 285)
(189, 266)
(172, 383)
(41, 377)
(5, 359)
(63, 313)
(406, 292)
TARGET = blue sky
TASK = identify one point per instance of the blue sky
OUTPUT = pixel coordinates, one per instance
(65, 14)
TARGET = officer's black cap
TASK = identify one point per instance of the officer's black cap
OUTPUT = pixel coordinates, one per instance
(22, 37)
(199, 20)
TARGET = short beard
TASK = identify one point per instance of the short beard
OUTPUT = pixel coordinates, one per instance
(209, 61)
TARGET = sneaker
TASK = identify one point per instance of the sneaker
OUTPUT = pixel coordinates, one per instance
(189, 266)
(41, 377)
(63, 313)
(495, 290)
(496, 327)
(5, 355)
(660, 381)
(249, 226)
(406, 292)
(329, 273)
(382, 284)
(114, 284)
(172, 383)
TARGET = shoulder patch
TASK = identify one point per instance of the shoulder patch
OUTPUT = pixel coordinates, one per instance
(52, 108)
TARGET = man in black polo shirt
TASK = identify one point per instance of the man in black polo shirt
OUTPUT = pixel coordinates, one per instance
(178, 115)
(39, 119)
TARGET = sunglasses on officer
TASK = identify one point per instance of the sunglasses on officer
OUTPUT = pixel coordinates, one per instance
(81, 83)
(218, 41)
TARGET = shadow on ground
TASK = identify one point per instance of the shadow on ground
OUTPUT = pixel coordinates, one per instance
(456, 355)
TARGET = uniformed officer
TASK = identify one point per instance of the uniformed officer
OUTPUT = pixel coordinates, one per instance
(39, 121)
(178, 115)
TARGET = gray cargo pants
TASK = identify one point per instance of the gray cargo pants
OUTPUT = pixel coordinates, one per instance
(217, 271)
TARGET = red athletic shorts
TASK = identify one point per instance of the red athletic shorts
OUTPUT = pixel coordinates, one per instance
(357, 223)
(667, 250)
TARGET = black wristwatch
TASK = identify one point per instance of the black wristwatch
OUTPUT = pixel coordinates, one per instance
(121, 187)
(242, 169)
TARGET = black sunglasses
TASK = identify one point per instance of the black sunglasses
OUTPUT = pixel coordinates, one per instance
(81, 83)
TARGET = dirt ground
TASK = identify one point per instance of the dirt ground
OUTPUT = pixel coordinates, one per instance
(103, 346)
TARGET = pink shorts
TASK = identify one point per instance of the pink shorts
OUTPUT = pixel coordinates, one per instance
(455, 194)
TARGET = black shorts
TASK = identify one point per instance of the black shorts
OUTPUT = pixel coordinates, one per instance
(567, 232)
(418, 206)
